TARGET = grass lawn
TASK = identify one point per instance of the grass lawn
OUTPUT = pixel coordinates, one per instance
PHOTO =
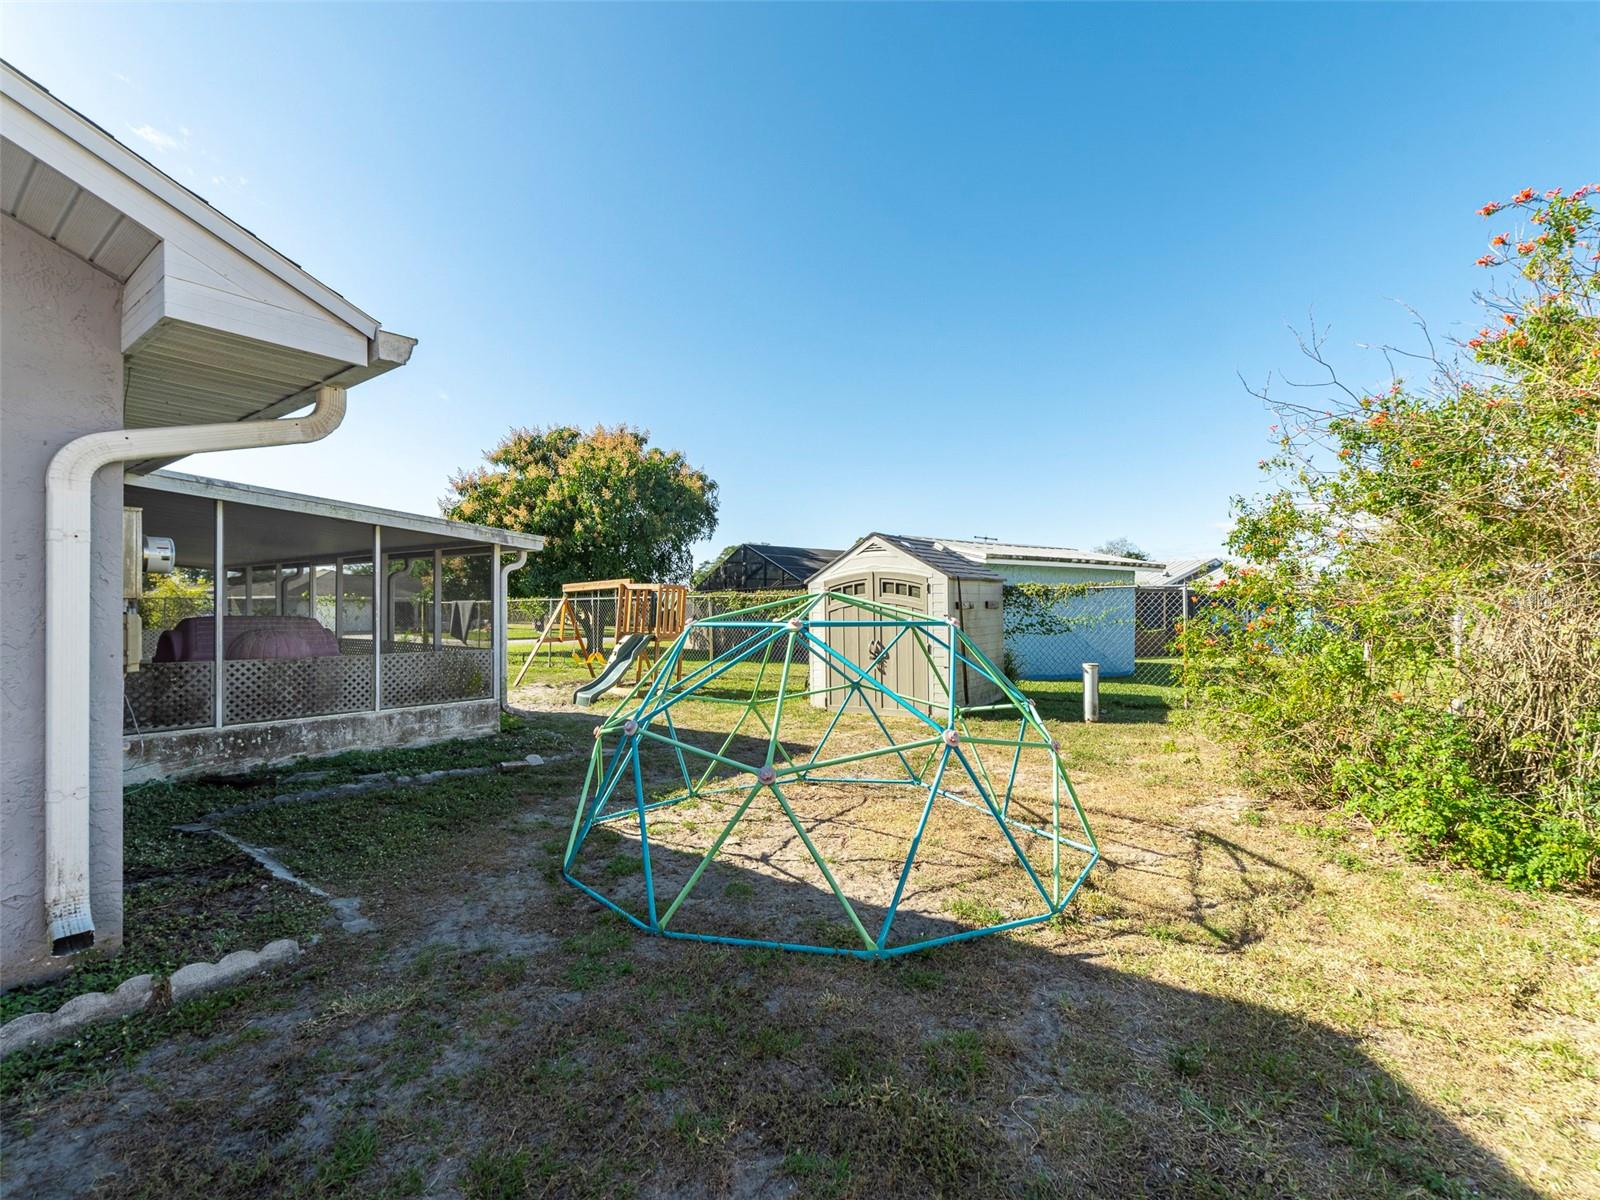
(1247, 1001)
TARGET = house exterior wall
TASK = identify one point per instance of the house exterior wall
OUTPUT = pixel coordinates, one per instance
(61, 376)
(1102, 624)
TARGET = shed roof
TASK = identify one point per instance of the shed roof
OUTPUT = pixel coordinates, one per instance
(929, 552)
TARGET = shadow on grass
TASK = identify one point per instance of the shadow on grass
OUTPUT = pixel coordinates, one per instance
(992, 1067)
(613, 1062)
(1121, 703)
(1098, 1082)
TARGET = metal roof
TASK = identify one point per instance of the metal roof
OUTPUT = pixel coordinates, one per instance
(283, 536)
(1178, 571)
(986, 551)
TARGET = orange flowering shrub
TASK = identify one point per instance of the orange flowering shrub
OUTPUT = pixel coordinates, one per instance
(1431, 553)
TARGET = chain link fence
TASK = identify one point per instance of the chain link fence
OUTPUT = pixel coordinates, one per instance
(557, 640)
(1050, 633)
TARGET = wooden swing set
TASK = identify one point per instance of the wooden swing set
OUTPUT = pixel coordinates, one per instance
(655, 610)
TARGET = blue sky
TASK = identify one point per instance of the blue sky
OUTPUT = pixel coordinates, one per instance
(836, 254)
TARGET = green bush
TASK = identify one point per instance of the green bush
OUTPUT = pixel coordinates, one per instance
(1417, 781)
(1414, 630)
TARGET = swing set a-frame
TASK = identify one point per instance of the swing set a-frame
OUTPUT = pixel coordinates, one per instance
(655, 610)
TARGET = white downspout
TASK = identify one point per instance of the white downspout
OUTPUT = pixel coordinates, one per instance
(501, 630)
(67, 630)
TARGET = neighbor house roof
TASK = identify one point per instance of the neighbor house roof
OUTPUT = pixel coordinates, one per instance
(1018, 552)
(800, 561)
(1176, 572)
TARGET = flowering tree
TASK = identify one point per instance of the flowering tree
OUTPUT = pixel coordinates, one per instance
(608, 503)
(1416, 630)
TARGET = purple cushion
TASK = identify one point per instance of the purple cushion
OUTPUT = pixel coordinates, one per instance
(193, 639)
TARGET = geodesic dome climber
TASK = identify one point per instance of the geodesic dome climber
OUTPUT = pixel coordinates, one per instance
(783, 793)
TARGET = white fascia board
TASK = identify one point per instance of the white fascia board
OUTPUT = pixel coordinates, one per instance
(97, 162)
(172, 285)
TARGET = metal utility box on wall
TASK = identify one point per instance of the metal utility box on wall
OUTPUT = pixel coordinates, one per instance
(915, 574)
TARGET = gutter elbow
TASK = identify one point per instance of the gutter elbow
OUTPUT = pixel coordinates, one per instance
(68, 579)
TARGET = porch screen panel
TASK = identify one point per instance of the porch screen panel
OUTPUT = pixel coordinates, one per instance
(295, 588)
(355, 606)
(325, 593)
(175, 692)
(460, 665)
(408, 597)
(264, 591)
(281, 659)
(467, 616)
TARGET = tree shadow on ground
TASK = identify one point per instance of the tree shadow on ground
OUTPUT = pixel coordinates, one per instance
(1005, 1065)
(1065, 704)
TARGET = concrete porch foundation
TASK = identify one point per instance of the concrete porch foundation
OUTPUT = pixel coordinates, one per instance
(237, 748)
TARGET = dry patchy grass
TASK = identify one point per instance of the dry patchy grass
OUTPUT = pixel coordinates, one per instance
(1245, 1002)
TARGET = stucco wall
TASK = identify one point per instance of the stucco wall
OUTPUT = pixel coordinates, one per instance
(1101, 625)
(60, 377)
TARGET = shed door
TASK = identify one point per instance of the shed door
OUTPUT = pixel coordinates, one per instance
(904, 667)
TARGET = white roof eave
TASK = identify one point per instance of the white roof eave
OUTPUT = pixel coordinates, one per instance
(93, 139)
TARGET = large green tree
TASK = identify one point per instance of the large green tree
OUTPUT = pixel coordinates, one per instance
(608, 504)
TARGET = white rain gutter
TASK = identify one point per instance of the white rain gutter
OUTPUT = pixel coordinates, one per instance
(67, 629)
(502, 631)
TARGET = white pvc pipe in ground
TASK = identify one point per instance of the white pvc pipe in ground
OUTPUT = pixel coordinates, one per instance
(68, 632)
(1091, 691)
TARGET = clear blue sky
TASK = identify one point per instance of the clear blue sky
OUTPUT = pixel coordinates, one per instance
(835, 253)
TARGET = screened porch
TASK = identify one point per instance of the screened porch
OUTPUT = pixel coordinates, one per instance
(308, 628)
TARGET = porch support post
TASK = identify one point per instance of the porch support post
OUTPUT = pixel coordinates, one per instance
(438, 591)
(220, 604)
(380, 615)
(338, 598)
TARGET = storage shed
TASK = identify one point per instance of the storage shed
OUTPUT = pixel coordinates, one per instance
(921, 575)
